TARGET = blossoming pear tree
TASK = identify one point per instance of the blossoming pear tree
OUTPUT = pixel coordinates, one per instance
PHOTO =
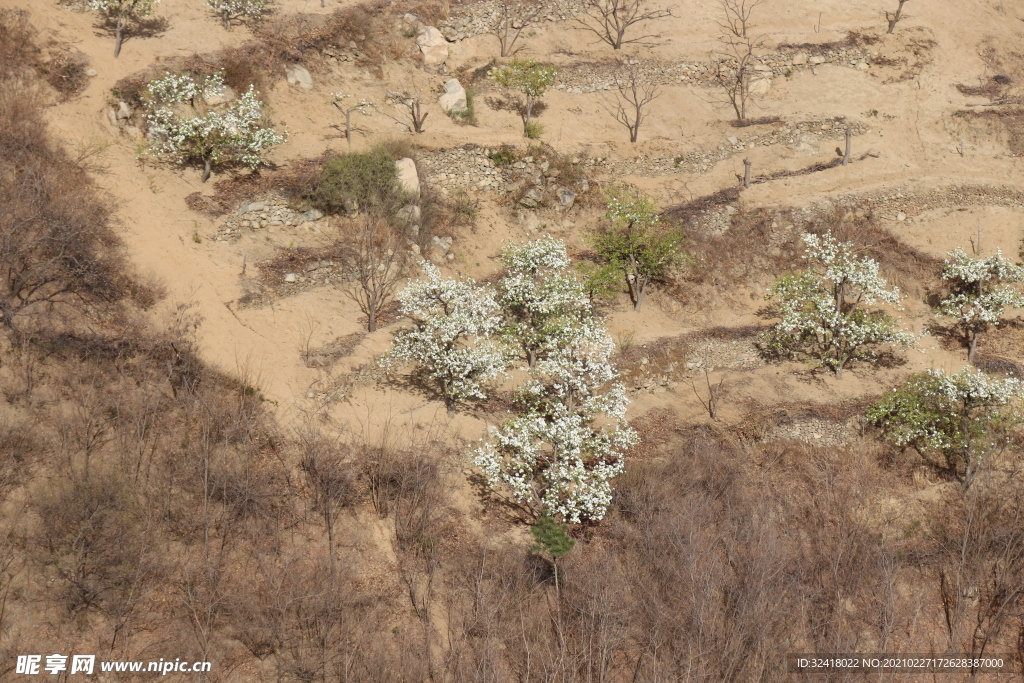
(823, 308)
(450, 340)
(234, 9)
(185, 88)
(239, 135)
(541, 297)
(980, 293)
(963, 418)
(558, 456)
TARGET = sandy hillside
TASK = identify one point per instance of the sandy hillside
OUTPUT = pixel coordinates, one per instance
(904, 105)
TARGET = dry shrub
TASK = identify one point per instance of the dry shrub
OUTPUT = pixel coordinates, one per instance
(66, 72)
(18, 51)
(760, 244)
(58, 249)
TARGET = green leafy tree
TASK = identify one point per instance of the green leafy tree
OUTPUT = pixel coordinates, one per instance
(823, 308)
(636, 242)
(980, 293)
(121, 11)
(531, 80)
(964, 419)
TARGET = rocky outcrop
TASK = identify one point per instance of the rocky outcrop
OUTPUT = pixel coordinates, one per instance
(408, 178)
(433, 47)
(454, 97)
(298, 75)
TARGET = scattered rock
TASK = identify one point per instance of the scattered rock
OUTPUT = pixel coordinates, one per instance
(223, 96)
(441, 244)
(566, 198)
(799, 59)
(816, 59)
(313, 215)
(410, 213)
(291, 277)
(124, 112)
(92, 73)
(408, 178)
(732, 140)
(454, 97)
(298, 75)
(434, 48)
(901, 216)
(807, 143)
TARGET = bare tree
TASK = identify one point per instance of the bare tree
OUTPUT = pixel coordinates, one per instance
(610, 19)
(894, 17)
(413, 106)
(330, 476)
(737, 58)
(375, 254)
(632, 105)
(514, 16)
(58, 247)
(714, 394)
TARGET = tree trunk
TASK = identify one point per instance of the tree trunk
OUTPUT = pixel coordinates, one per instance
(529, 114)
(640, 289)
(225, 18)
(371, 318)
(531, 357)
(118, 35)
(839, 371)
(973, 345)
(206, 169)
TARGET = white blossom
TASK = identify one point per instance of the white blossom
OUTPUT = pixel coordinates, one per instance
(238, 135)
(560, 455)
(253, 9)
(980, 292)
(822, 312)
(542, 299)
(966, 417)
(450, 339)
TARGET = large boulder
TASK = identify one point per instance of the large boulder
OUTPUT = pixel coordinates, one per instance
(433, 46)
(408, 179)
(454, 97)
(298, 75)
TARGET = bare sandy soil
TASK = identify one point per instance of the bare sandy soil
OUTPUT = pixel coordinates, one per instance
(913, 138)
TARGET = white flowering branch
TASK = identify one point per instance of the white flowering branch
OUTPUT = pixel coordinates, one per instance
(966, 417)
(823, 308)
(980, 293)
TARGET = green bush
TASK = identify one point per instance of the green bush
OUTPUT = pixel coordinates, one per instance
(359, 182)
(503, 156)
(534, 130)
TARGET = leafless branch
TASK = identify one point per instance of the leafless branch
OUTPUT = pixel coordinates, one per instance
(635, 94)
(610, 19)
